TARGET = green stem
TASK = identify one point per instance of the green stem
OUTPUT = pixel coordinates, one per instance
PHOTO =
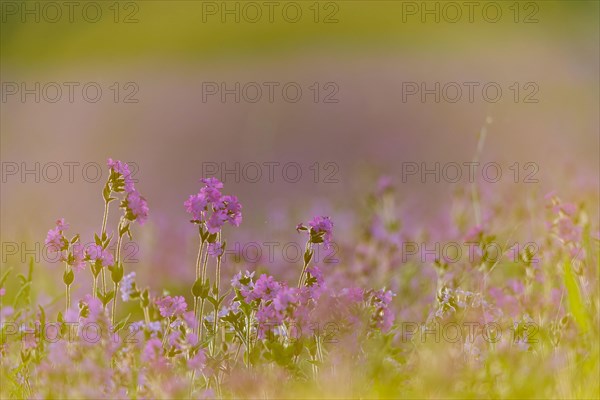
(117, 264)
(200, 326)
(114, 304)
(301, 280)
(193, 376)
(203, 277)
(94, 286)
(104, 220)
(68, 296)
(67, 291)
(248, 342)
(198, 264)
(167, 332)
(146, 315)
(217, 286)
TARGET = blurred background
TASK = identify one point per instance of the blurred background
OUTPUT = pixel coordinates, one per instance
(325, 97)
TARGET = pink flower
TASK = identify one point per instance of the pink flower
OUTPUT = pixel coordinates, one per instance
(97, 253)
(77, 258)
(209, 200)
(353, 295)
(568, 231)
(232, 209)
(265, 288)
(215, 249)
(383, 315)
(216, 221)
(315, 281)
(137, 207)
(55, 240)
(2, 291)
(92, 308)
(62, 225)
(153, 352)
(198, 361)
(212, 182)
(171, 306)
(196, 205)
(122, 169)
(320, 230)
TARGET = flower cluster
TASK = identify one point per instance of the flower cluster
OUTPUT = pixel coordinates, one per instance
(120, 180)
(320, 230)
(171, 306)
(334, 323)
(212, 208)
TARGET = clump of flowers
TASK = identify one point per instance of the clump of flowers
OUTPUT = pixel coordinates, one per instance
(338, 324)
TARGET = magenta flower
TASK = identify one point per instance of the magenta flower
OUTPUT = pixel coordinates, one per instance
(122, 169)
(137, 207)
(62, 225)
(268, 318)
(244, 284)
(353, 295)
(212, 182)
(320, 230)
(568, 231)
(153, 352)
(215, 249)
(2, 292)
(171, 306)
(211, 194)
(286, 297)
(196, 205)
(197, 362)
(383, 316)
(96, 253)
(233, 210)
(211, 207)
(91, 307)
(216, 221)
(265, 288)
(77, 258)
(55, 240)
(315, 281)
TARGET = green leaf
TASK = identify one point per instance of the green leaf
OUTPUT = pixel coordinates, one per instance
(68, 277)
(576, 306)
(212, 238)
(308, 254)
(107, 297)
(106, 192)
(197, 288)
(5, 275)
(124, 229)
(116, 272)
(145, 298)
(121, 324)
